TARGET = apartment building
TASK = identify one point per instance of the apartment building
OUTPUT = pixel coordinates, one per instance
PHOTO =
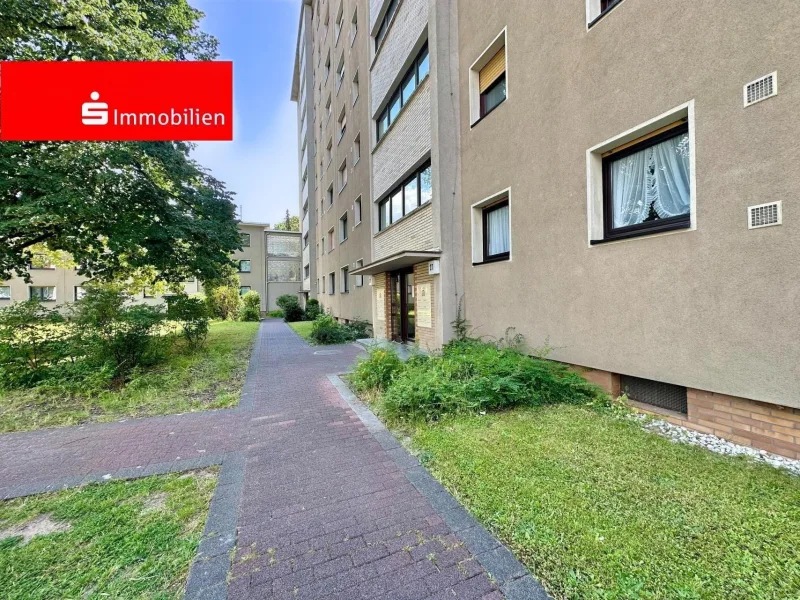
(630, 194)
(269, 263)
(332, 60)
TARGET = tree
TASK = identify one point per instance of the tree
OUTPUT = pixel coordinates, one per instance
(289, 223)
(116, 208)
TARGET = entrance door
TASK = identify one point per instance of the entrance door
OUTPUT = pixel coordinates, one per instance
(403, 306)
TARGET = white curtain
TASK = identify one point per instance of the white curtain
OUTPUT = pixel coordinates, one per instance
(657, 176)
(499, 235)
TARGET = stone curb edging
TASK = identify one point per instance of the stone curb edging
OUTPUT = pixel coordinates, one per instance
(511, 576)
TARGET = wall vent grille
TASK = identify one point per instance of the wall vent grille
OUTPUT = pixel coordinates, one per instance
(761, 89)
(655, 393)
(764, 215)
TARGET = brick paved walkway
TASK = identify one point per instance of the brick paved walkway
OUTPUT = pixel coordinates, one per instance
(324, 509)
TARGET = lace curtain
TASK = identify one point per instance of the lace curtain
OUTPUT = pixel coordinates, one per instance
(656, 177)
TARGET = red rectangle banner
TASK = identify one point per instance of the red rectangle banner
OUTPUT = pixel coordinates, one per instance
(116, 101)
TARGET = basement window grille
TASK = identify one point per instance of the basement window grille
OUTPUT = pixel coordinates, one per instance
(764, 215)
(761, 89)
(655, 393)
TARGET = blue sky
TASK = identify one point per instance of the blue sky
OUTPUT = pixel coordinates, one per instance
(260, 164)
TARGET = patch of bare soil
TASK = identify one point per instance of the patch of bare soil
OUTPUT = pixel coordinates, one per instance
(41, 525)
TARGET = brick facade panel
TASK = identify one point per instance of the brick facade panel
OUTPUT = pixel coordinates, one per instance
(409, 24)
(405, 144)
(415, 232)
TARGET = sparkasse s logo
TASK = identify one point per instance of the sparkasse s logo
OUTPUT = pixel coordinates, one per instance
(107, 101)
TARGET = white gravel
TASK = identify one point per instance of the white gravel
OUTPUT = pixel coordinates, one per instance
(680, 434)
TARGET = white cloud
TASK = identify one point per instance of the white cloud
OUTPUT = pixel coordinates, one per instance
(263, 171)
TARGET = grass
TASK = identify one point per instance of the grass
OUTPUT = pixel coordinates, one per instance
(303, 329)
(207, 379)
(127, 539)
(600, 509)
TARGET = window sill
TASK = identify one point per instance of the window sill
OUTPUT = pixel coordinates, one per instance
(493, 259)
(599, 17)
(475, 124)
(673, 226)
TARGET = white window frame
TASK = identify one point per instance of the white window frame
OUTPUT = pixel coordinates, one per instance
(6, 297)
(594, 173)
(593, 11)
(357, 149)
(477, 226)
(76, 293)
(354, 88)
(359, 282)
(344, 281)
(474, 75)
(344, 234)
(342, 175)
(360, 214)
(354, 28)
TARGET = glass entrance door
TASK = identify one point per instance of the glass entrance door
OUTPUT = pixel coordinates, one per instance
(403, 306)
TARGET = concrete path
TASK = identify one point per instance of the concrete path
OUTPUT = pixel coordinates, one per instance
(315, 503)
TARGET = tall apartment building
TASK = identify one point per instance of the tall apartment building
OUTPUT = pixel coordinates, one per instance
(630, 186)
(332, 61)
(269, 263)
(617, 178)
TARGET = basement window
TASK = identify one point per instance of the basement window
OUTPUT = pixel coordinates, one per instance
(655, 393)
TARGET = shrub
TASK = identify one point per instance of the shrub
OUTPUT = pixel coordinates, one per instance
(376, 371)
(275, 314)
(325, 330)
(192, 314)
(290, 305)
(113, 331)
(224, 302)
(33, 341)
(477, 376)
(251, 309)
(358, 329)
(313, 309)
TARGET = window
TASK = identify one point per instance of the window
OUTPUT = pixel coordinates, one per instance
(354, 27)
(339, 23)
(327, 70)
(341, 126)
(496, 232)
(343, 175)
(343, 228)
(332, 283)
(5, 292)
(279, 244)
(41, 261)
(243, 289)
(283, 270)
(413, 193)
(328, 110)
(357, 149)
(597, 9)
(318, 254)
(359, 278)
(646, 184)
(244, 240)
(408, 85)
(244, 266)
(354, 89)
(43, 293)
(329, 152)
(79, 293)
(305, 241)
(488, 80)
(340, 73)
(330, 240)
(357, 211)
(306, 271)
(385, 22)
(345, 280)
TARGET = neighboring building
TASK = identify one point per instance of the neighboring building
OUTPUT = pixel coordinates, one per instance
(618, 198)
(331, 70)
(613, 178)
(268, 263)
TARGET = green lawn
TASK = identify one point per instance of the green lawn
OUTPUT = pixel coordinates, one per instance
(121, 539)
(600, 509)
(211, 377)
(303, 329)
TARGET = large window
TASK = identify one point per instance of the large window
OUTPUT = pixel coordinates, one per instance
(244, 266)
(283, 245)
(43, 293)
(646, 184)
(385, 22)
(283, 270)
(496, 232)
(413, 193)
(410, 82)
(5, 292)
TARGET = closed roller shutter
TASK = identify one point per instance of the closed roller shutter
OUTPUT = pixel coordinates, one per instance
(493, 70)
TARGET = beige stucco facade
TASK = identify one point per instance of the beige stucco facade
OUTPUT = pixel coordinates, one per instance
(715, 307)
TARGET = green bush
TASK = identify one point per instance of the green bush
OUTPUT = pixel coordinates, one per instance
(358, 329)
(34, 340)
(290, 305)
(275, 314)
(325, 330)
(192, 314)
(251, 309)
(313, 309)
(471, 376)
(224, 302)
(377, 371)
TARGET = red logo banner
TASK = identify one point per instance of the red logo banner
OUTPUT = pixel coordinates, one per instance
(116, 101)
